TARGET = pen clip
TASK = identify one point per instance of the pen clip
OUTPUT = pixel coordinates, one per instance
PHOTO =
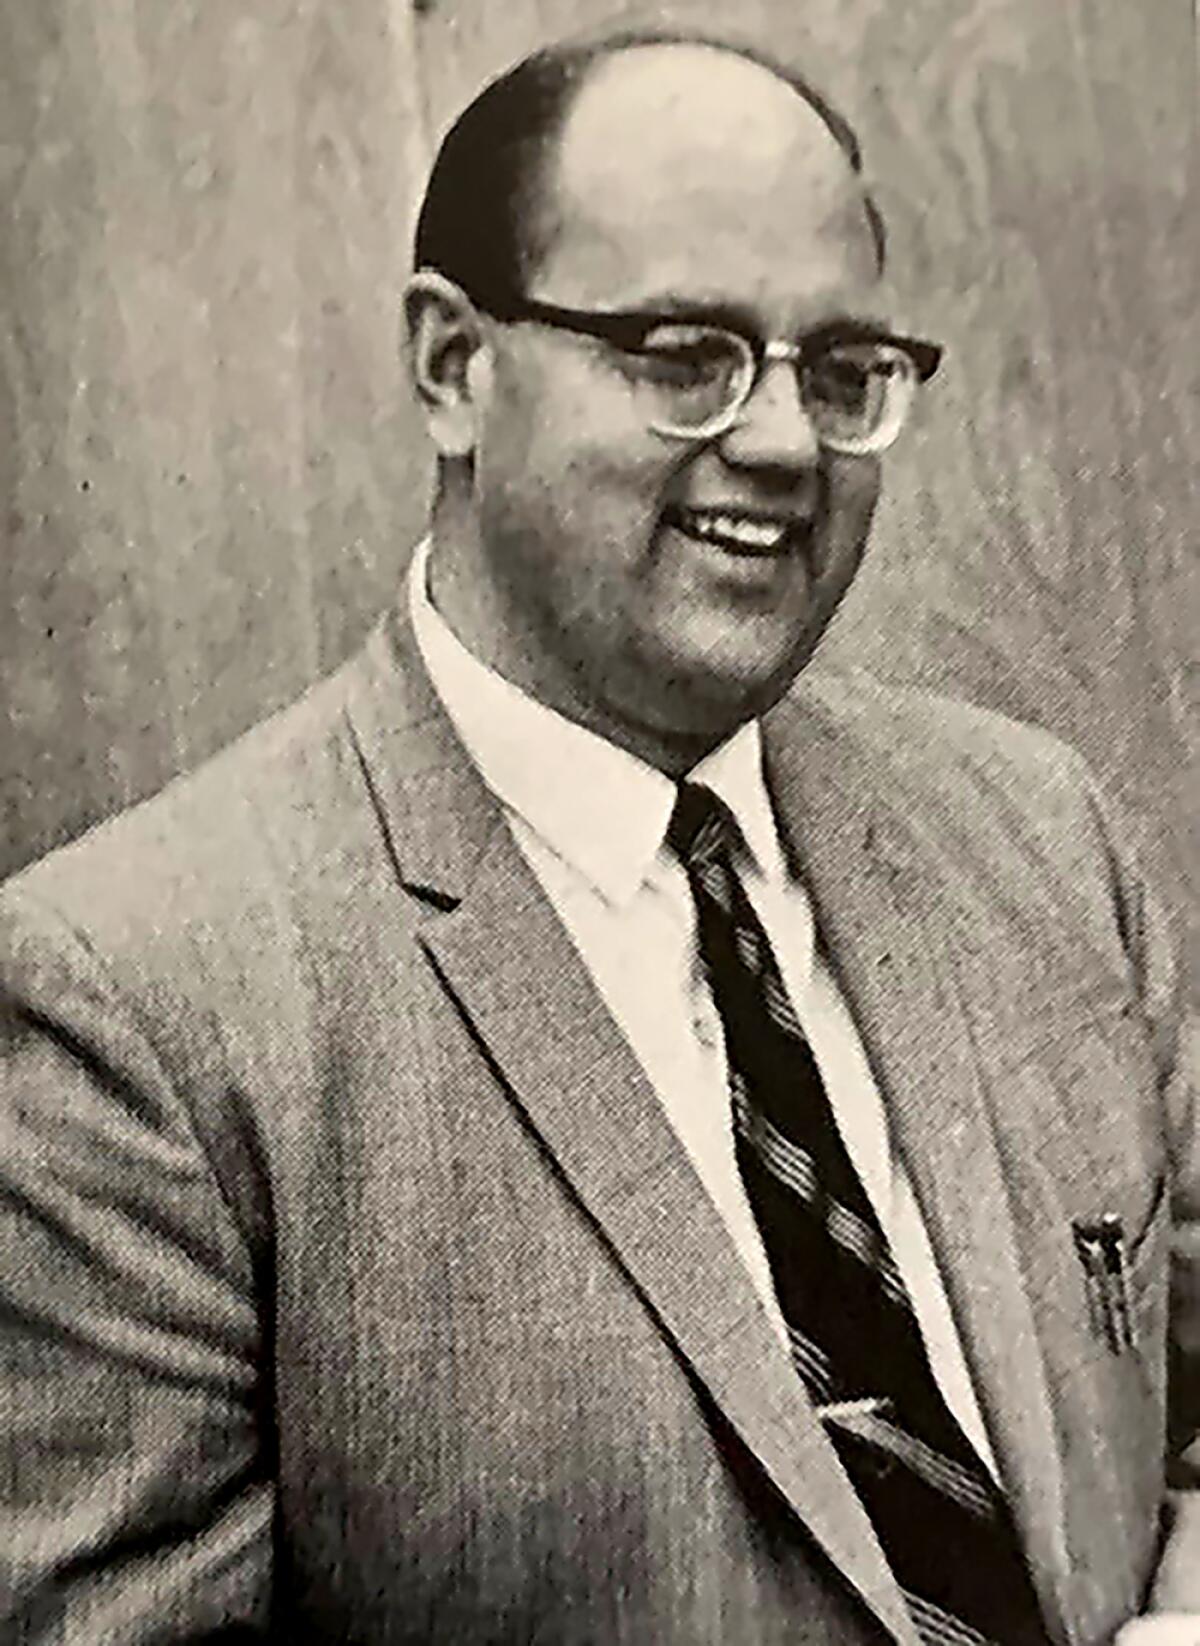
(1103, 1251)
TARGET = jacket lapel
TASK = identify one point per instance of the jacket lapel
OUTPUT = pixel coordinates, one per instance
(504, 956)
(876, 917)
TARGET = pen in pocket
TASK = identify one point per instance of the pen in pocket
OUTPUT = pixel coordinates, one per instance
(1103, 1251)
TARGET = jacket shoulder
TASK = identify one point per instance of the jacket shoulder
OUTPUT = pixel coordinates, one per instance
(962, 775)
(1001, 819)
(928, 731)
(216, 845)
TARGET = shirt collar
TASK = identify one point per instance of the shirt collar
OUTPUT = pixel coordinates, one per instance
(597, 807)
(735, 773)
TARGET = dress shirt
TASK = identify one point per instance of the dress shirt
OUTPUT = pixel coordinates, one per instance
(591, 821)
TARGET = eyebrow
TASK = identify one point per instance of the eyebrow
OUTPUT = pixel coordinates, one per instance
(738, 317)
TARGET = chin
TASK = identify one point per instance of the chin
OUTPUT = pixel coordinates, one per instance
(709, 705)
(733, 674)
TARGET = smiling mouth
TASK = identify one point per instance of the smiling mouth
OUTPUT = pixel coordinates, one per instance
(741, 533)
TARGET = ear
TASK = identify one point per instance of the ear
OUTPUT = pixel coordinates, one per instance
(448, 360)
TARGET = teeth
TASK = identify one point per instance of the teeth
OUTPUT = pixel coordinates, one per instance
(737, 530)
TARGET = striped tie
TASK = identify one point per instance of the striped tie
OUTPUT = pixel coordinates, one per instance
(855, 1341)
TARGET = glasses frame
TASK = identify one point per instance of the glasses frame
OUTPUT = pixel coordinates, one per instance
(627, 330)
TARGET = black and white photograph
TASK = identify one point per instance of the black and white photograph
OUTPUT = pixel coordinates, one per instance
(598, 876)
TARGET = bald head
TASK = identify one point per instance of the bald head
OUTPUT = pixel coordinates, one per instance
(501, 181)
(679, 140)
(710, 106)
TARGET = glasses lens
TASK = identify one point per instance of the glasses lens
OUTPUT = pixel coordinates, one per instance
(857, 395)
(689, 376)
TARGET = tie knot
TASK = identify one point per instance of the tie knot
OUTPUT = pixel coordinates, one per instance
(702, 828)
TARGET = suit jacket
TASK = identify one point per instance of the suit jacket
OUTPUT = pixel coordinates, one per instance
(363, 1293)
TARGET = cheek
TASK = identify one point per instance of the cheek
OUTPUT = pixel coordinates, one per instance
(552, 411)
(567, 424)
(853, 493)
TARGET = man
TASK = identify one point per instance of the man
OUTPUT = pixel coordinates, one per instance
(573, 1133)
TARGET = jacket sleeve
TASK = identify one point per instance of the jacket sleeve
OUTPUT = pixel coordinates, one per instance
(136, 1498)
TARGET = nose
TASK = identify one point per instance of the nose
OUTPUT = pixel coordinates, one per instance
(773, 430)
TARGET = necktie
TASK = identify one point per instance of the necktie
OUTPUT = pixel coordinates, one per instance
(855, 1341)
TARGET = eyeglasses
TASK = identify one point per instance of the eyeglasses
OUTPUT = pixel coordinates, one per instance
(693, 378)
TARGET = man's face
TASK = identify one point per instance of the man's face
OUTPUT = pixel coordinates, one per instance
(629, 584)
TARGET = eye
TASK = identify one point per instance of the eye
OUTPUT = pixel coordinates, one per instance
(687, 356)
(848, 376)
(857, 394)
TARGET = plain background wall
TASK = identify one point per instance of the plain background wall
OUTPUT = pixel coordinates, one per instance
(211, 473)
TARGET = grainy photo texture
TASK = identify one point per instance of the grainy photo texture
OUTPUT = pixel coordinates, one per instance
(594, 812)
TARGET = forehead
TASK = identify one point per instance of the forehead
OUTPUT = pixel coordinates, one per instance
(691, 171)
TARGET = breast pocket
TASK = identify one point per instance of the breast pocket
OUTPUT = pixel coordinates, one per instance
(1073, 1091)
